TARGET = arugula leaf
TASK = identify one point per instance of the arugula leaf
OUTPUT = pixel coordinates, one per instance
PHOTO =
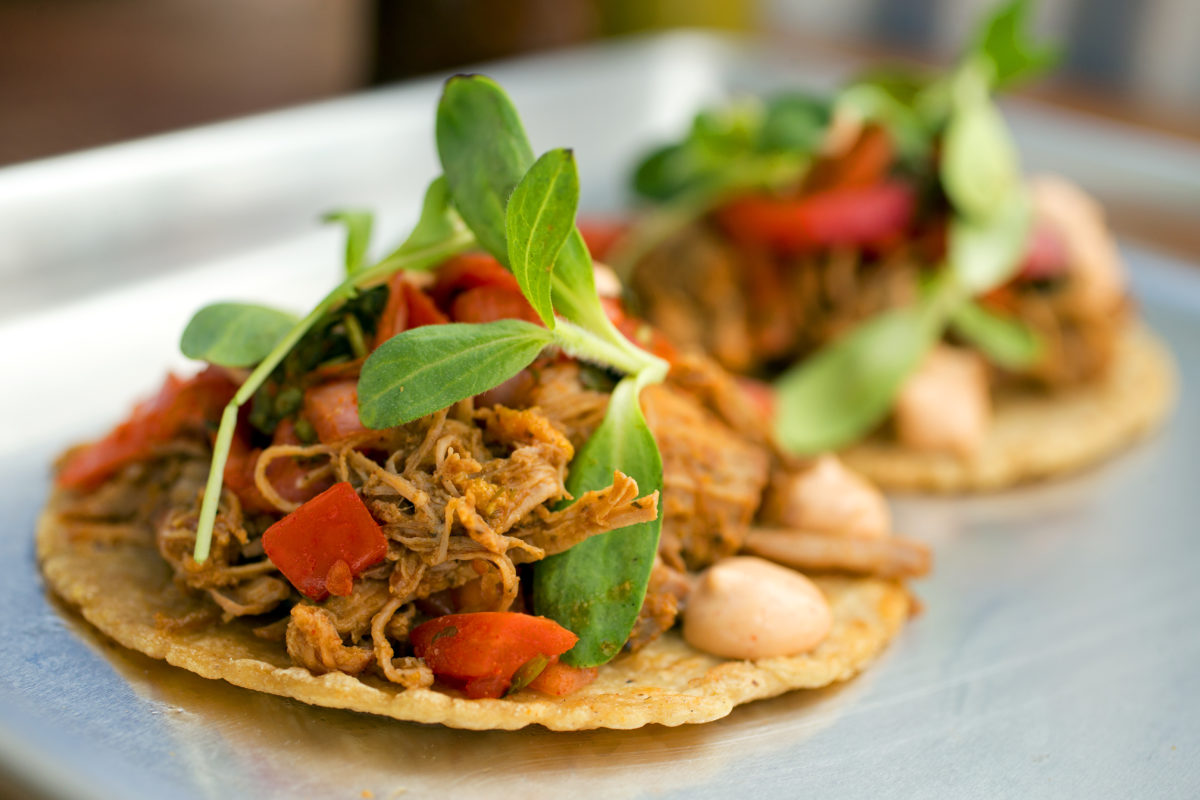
(358, 235)
(540, 217)
(438, 221)
(597, 587)
(426, 369)
(979, 160)
(843, 391)
(1005, 341)
(484, 153)
(234, 334)
(1004, 42)
(984, 254)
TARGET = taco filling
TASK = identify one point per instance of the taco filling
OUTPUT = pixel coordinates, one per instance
(877, 256)
(356, 510)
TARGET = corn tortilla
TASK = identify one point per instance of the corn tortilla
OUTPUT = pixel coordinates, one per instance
(121, 587)
(1035, 436)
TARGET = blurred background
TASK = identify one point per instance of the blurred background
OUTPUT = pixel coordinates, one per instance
(80, 73)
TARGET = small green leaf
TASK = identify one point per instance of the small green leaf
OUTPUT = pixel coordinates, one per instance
(1004, 41)
(1005, 341)
(846, 389)
(484, 154)
(540, 217)
(596, 588)
(984, 254)
(665, 173)
(438, 222)
(235, 334)
(426, 369)
(979, 161)
(794, 121)
(358, 235)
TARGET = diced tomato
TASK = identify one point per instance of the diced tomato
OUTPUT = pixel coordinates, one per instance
(491, 303)
(601, 235)
(289, 478)
(1046, 256)
(481, 651)
(873, 216)
(470, 271)
(561, 680)
(180, 405)
(407, 307)
(641, 333)
(285, 432)
(866, 163)
(332, 408)
(325, 538)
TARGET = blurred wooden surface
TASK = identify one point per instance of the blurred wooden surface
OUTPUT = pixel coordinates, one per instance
(80, 73)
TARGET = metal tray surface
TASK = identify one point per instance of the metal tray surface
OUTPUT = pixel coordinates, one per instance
(1056, 656)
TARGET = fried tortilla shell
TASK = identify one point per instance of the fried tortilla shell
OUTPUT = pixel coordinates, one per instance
(1035, 436)
(124, 588)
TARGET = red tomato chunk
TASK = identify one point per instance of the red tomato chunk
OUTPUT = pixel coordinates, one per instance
(481, 651)
(321, 542)
(560, 680)
(180, 405)
(332, 408)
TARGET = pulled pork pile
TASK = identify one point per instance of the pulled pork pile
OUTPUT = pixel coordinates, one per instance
(463, 497)
(755, 312)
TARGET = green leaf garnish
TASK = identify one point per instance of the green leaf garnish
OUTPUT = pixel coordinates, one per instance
(539, 218)
(1003, 40)
(484, 154)
(597, 587)
(846, 389)
(427, 369)
(979, 161)
(358, 226)
(984, 254)
(234, 334)
(1005, 341)
(438, 222)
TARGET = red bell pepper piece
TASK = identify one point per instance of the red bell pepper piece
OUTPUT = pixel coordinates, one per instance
(871, 216)
(289, 478)
(470, 271)
(325, 539)
(491, 303)
(865, 163)
(180, 405)
(407, 307)
(561, 680)
(482, 650)
(332, 408)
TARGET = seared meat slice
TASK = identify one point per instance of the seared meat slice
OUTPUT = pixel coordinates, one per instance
(713, 479)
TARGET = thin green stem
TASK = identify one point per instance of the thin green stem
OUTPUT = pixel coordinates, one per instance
(585, 345)
(417, 259)
(212, 489)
